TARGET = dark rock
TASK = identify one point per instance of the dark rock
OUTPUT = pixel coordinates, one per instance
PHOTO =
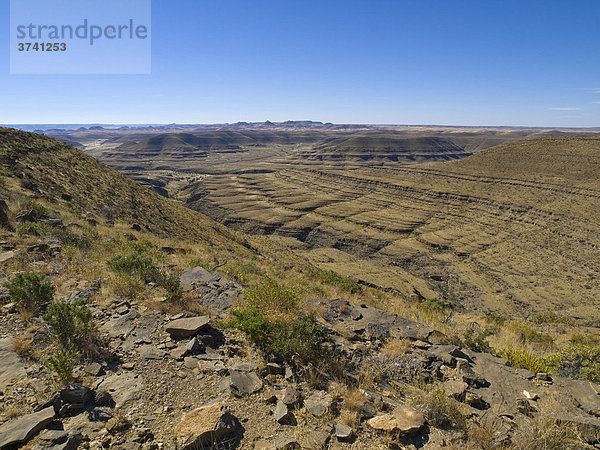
(75, 394)
(468, 375)
(367, 411)
(526, 374)
(136, 227)
(194, 346)
(102, 397)
(151, 352)
(28, 215)
(3, 213)
(359, 322)
(525, 407)
(52, 222)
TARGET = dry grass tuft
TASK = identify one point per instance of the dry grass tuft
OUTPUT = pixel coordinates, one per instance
(396, 347)
(22, 346)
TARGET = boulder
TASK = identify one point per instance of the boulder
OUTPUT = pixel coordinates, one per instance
(244, 383)
(196, 276)
(455, 389)
(28, 215)
(282, 414)
(60, 440)
(362, 322)
(151, 352)
(343, 431)
(290, 396)
(21, 430)
(188, 327)
(318, 403)
(403, 420)
(205, 426)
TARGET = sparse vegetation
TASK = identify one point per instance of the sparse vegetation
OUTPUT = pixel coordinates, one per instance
(137, 268)
(523, 358)
(135, 264)
(477, 339)
(171, 283)
(439, 410)
(580, 361)
(22, 346)
(551, 317)
(30, 290)
(34, 228)
(271, 298)
(528, 334)
(300, 337)
(72, 323)
(335, 279)
(63, 361)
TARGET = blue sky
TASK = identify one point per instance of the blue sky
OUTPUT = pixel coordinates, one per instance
(459, 62)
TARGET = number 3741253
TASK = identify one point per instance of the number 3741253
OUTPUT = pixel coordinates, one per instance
(42, 47)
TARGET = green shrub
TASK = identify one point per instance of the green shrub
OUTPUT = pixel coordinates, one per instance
(33, 228)
(477, 340)
(550, 317)
(495, 319)
(578, 361)
(72, 323)
(83, 241)
(435, 305)
(171, 283)
(531, 335)
(36, 206)
(135, 263)
(522, 358)
(63, 361)
(271, 298)
(30, 290)
(335, 279)
(302, 337)
(196, 261)
(127, 286)
(585, 339)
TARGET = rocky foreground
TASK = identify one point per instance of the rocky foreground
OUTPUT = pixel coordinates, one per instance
(183, 381)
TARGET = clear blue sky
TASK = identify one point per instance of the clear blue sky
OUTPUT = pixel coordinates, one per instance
(476, 62)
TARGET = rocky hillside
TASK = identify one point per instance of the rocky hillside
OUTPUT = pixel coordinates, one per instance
(146, 327)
